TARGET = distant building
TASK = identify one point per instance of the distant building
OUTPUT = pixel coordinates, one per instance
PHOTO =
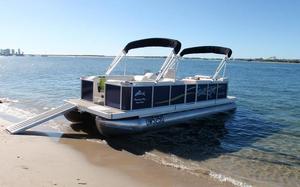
(19, 53)
(272, 58)
(11, 52)
(5, 52)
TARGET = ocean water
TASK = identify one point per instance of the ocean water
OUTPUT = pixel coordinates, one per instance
(257, 145)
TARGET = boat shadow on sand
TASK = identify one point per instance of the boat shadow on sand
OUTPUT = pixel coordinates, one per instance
(196, 140)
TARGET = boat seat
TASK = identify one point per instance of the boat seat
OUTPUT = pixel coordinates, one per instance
(147, 76)
(198, 77)
(138, 77)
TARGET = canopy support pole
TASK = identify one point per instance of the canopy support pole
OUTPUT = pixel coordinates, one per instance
(219, 68)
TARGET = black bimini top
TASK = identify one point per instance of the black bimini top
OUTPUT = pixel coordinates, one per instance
(207, 49)
(154, 42)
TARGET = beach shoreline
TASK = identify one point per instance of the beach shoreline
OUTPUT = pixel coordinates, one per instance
(51, 161)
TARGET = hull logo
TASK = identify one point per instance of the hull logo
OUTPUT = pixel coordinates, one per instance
(140, 97)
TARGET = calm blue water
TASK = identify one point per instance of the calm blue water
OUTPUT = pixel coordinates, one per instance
(258, 144)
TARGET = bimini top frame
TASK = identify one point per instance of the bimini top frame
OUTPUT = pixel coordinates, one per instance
(203, 49)
(150, 42)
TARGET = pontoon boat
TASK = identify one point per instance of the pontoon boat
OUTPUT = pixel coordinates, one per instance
(121, 104)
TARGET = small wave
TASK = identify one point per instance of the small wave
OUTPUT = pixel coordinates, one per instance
(7, 100)
(6, 109)
(223, 178)
(170, 162)
(175, 162)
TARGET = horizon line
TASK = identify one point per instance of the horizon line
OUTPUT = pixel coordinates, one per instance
(162, 56)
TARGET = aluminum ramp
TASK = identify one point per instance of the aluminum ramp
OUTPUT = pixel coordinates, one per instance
(41, 118)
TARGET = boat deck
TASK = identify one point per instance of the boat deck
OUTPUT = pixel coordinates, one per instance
(114, 113)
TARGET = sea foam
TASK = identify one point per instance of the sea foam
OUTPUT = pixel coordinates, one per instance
(7, 109)
(175, 162)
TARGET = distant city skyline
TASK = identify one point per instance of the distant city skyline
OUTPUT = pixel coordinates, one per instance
(11, 52)
(250, 28)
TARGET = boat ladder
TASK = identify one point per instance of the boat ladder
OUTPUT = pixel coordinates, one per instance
(41, 118)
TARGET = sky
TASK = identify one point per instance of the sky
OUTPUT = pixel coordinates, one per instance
(251, 28)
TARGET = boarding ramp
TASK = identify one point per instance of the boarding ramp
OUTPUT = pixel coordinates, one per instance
(41, 118)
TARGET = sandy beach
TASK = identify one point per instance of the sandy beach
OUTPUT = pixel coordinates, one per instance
(35, 160)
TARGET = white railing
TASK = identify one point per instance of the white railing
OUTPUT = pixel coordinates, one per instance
(115, 62)
(221, 66)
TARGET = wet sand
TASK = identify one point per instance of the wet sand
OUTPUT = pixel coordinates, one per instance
(32, 160)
